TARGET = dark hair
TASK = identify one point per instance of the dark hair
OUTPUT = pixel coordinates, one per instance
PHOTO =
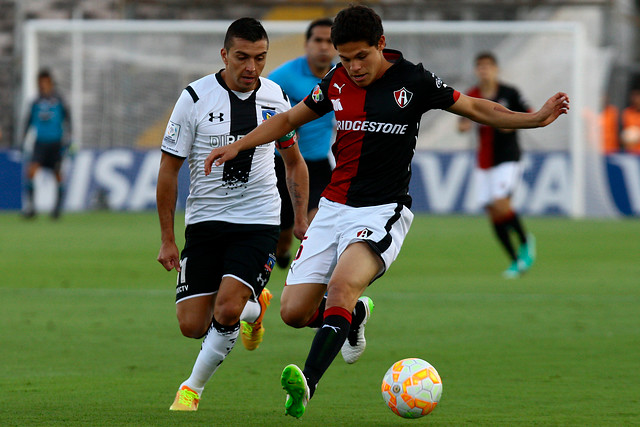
(45, 74)
(249, 29)
(486, 55)
(356, 23)
(322, 22)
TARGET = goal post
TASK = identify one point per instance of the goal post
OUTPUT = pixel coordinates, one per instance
(121, 78)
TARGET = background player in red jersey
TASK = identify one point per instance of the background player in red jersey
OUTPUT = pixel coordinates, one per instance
(498, 166)
(378, 98)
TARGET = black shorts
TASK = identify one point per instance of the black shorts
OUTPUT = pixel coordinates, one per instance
(319, 177)
(214, 249)
(47, 154)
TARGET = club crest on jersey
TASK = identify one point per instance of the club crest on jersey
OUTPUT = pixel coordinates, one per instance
(317, 94)
(364, 233)
(267, 114)
(403, 97)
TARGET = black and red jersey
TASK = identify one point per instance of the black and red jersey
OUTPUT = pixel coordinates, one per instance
(377, 129)
(496, 146)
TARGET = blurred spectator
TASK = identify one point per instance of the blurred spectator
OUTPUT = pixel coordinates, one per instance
(609, 121)
(49, 124)
(631, 123)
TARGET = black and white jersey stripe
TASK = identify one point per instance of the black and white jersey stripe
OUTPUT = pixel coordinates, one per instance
(207, 115)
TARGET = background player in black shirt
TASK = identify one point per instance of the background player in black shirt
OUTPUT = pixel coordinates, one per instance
(498, 166)
(378, 98)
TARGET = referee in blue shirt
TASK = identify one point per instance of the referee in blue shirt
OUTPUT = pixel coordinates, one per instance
(297, 78)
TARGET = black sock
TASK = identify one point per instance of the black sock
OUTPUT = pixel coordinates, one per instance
(358, 315)
(515, 224)
(502, 232)
(326, 344)
(318, 317)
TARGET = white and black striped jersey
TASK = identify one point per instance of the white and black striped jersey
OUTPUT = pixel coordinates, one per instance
(207, 115)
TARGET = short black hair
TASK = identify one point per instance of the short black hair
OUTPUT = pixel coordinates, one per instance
(322, 22)
(356, 23)
(45, 74)
(249, 29)
(486, 55)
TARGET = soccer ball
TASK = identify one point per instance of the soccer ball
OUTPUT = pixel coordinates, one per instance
(411, 388)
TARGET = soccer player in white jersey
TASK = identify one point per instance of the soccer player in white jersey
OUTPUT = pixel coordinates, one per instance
(232, 216)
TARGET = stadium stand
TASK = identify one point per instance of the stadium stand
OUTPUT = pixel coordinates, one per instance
(14, 13)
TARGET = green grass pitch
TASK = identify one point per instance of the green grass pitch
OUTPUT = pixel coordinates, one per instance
(88, 334)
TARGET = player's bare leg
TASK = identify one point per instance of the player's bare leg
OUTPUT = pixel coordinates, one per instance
(57, 210)
(356, 268)
(504, 220)
(300, 304)
(32, 170)
(221, 334)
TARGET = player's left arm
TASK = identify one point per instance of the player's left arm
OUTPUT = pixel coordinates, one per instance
(495, 115)
(297, 178)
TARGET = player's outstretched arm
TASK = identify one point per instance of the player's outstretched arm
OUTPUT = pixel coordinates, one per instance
(270, 130)
(297, 178)
(166, 196)
(495, 115)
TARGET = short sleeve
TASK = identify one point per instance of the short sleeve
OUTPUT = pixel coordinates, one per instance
(438, 95)
(180, 133)
(318, 100)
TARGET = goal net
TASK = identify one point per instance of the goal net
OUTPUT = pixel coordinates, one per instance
(122, 78)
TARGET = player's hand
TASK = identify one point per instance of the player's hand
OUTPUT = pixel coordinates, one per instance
(218, 156)
(552, 109)
(169, 256)
(300, 229)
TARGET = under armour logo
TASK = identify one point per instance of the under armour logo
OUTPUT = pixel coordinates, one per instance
(339, 87)
(335, 328)
(212, 116)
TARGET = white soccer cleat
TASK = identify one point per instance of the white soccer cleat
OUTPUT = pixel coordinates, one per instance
(355, 343)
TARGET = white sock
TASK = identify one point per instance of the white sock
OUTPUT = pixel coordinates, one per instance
(215, 347)
(251, 311)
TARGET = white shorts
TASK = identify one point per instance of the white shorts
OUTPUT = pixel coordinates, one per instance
(498, 182)
(336, 226)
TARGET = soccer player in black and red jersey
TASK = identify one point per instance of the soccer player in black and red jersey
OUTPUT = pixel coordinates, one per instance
(378, 98)
(498, 166)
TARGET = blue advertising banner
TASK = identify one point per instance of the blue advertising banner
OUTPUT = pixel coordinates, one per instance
(124, 179)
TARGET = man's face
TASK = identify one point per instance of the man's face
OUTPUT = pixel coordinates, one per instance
(244, 63)
(362, 61)
(45, 86)
(486, 70)
(319, 49)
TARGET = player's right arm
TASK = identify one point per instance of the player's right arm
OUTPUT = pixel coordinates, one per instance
(166, 196)
(176, 146)
(270, 130)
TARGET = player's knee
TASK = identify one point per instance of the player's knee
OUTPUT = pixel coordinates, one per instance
(227, 314)
(294, 316)
(191, 328)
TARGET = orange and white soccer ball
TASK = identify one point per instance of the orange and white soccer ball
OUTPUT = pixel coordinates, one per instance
(411, 388)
